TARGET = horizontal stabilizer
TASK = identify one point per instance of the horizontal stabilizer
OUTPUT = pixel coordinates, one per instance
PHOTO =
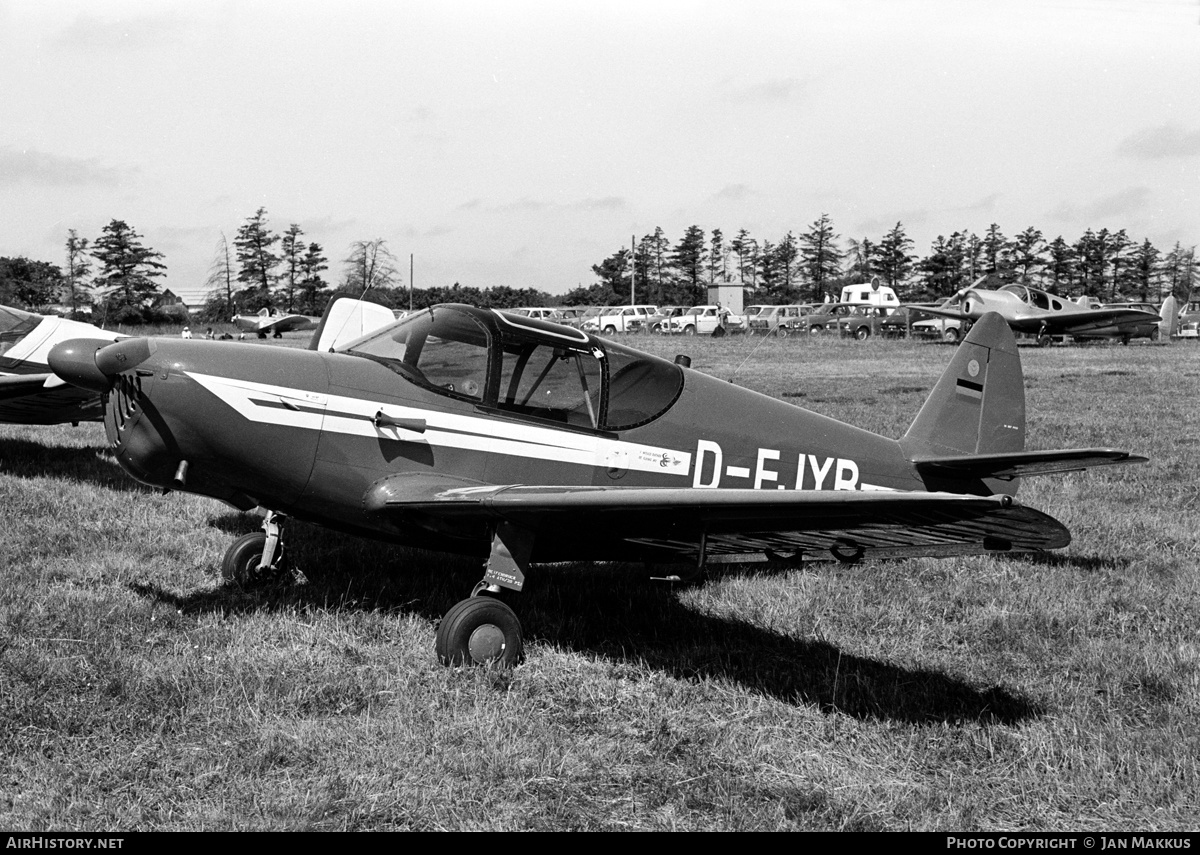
(1022, 463)
(616, 522)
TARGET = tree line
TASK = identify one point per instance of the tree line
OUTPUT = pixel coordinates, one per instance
(814, 265)
(116, 273)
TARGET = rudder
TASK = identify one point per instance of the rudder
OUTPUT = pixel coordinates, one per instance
(978, 405)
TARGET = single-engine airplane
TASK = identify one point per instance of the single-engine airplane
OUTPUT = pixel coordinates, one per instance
(272, 322)
(30, 393)
(1045, 315)
(524, 442)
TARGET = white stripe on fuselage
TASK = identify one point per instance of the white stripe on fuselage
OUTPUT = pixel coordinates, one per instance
(285, 406)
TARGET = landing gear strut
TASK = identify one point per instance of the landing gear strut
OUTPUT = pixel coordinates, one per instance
(258, 557)
(482, 629)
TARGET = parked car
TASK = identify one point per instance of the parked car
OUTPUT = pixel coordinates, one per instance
(568, 316)
(862, 322)
(699, 320)
(541, 312)
(946, 329)
(617, 319)
(765, 320)
(658, 321)
(821, 318)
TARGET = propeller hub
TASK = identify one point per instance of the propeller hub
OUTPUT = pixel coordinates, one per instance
(74, 361)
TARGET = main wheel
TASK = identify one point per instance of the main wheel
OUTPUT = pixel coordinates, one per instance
(1044, 341)
(862, 333)
(479, 631)
(240, 564)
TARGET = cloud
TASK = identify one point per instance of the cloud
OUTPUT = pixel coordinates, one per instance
(91, 33)
(26, 166)
(607, 203)
(1114, 205)
(778, 91)
(1165, 141)
(733, 193)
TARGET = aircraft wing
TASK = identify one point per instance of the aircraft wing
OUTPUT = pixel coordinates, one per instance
(1079, 323)
(44, 399)
(288, 323)
(606, 523)
(1022, 463)
(19, 385)
(956, 314)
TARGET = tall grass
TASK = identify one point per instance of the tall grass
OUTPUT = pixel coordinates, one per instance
(1055, 692)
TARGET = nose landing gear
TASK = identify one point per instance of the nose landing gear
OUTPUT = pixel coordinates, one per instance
(258, 558)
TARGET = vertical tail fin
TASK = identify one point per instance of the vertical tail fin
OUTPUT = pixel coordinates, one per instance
(978, 405)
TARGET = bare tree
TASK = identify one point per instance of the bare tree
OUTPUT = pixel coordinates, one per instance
(220, 278)
(370, 265)
(78, 267)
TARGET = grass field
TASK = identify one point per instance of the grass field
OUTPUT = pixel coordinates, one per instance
(1054, 692)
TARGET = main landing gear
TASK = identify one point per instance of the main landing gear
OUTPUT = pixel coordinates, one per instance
(483, 630)
(480, 630)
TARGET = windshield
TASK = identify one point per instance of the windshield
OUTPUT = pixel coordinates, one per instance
(524, 370)
(441, 349)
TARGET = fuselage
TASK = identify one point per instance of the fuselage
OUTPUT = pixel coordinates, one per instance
(309, 433)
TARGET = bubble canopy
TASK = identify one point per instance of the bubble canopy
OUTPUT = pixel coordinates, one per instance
(525, 366)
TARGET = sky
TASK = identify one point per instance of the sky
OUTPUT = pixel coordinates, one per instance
(520, 143)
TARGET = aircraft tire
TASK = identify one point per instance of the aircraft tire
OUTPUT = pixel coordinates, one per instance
(240, 564)
(479, 631)
(1044, 341)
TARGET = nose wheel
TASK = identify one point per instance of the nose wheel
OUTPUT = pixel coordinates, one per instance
(257, 558)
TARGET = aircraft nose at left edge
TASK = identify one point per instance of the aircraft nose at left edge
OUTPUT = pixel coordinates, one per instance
(93, 363)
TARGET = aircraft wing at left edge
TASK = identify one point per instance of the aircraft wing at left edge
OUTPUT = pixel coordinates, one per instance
(45, 399)
(20, 385)
(642, 523)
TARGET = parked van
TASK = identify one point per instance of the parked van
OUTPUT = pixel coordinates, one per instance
(870, 293)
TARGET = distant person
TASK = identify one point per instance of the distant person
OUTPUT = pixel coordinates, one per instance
(209, 334)
(187, 332)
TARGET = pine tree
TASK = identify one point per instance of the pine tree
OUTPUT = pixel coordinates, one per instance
(820, 258)
(127, 271)
(688, 258)
(313, 288)
(256, 260)
(892, 259)
(1027, 253)
(292, 248)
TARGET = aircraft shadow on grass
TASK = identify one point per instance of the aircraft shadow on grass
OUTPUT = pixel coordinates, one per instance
(617, 612)
(22, 458)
